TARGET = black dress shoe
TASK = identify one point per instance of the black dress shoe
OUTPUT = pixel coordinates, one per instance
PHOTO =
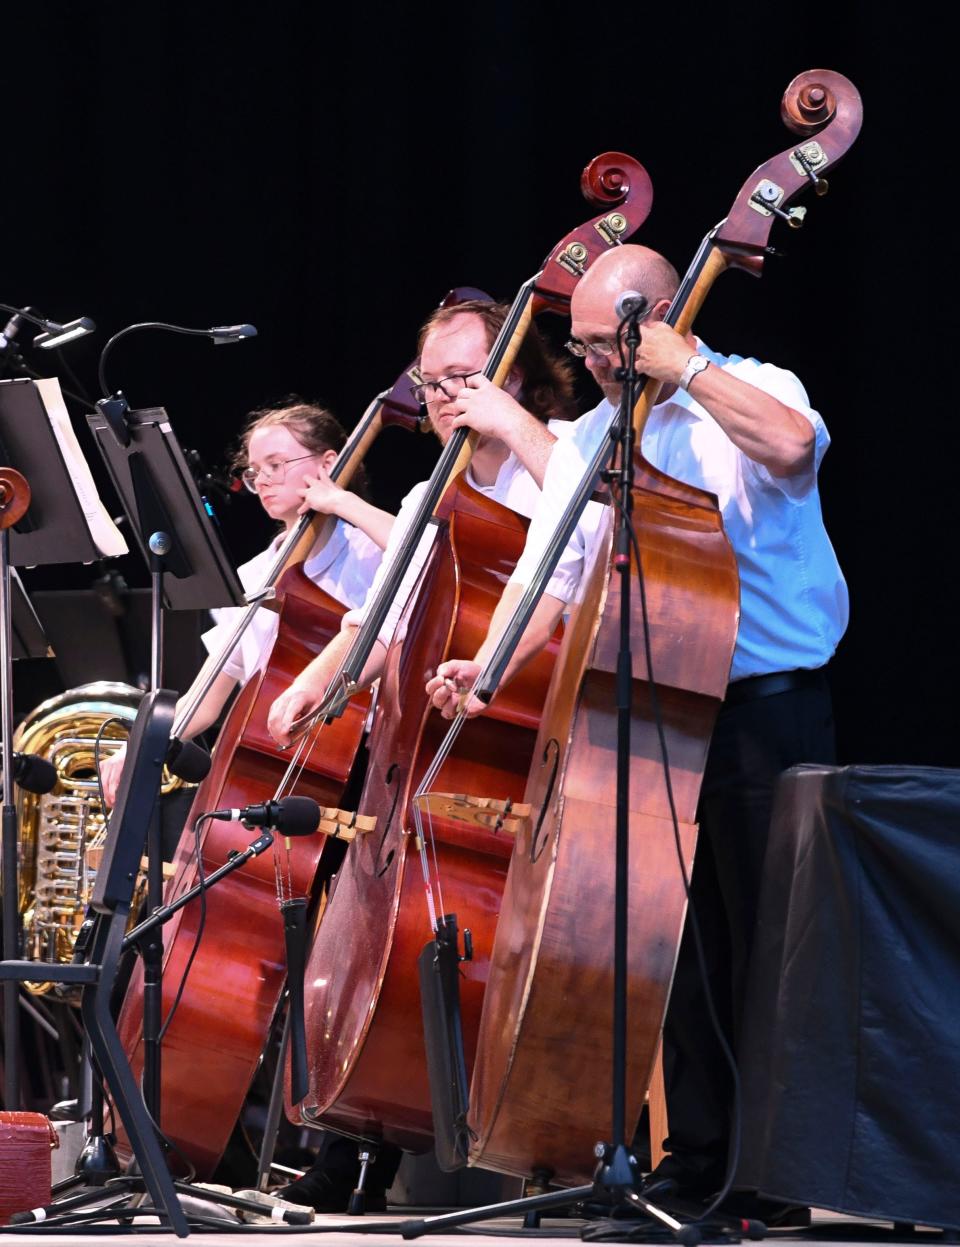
(325, 1193)
(672, 1179)
(691, 1193)
(774, 1213)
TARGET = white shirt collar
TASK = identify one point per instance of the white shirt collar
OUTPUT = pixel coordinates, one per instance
(320, 562)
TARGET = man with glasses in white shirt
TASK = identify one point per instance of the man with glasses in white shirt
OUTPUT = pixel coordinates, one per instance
(518, 425)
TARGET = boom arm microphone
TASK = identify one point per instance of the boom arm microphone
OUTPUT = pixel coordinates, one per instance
(33, 773)
(12, 328)
(188, 761)
(292, 816)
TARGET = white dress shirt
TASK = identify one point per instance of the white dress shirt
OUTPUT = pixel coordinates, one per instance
(344, 568)
(514, 488)
(793, 598)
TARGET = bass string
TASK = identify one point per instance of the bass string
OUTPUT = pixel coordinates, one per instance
(426, 837)
(282, 853)
(282, 875)
(298, 760)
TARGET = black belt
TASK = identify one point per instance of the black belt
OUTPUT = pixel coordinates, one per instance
(755, 686)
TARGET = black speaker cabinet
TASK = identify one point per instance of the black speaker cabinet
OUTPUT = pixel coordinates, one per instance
(850, 1054)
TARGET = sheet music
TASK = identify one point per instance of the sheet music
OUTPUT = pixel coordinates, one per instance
(106, 536)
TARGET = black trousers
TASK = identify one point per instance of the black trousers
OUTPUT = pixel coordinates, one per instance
(754, 741)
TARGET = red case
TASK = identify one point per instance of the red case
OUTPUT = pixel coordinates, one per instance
(25, 1143)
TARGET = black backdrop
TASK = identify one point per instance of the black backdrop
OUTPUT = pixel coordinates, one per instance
(328, 172)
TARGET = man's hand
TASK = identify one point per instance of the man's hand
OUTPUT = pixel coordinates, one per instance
(110, 771)
(320, 494)
(453, 680)
(663, 353)
(287, 710)
(487, 409)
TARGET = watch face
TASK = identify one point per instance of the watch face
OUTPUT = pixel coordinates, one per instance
(693, 369)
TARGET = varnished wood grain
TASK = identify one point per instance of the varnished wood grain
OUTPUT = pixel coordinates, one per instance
(542, 1086)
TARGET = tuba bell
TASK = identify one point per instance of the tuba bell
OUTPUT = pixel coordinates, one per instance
(59, 829)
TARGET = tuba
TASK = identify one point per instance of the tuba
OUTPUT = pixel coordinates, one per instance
(60, 830)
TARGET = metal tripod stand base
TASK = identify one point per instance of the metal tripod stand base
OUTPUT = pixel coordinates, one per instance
(130, 1188)
(687, 1234)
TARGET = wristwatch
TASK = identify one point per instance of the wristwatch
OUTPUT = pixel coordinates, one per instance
(695, 365)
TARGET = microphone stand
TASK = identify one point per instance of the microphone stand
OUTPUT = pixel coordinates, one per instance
(107, 1182)
(157, 917)
(151, 951)
(14, 502)
(15, 498)
(157, 529)
(616, 1171)
(11, 909)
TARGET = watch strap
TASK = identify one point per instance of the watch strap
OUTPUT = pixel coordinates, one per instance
(695, 365)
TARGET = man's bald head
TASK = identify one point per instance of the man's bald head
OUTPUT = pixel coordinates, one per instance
(630, 267)
(593, 315)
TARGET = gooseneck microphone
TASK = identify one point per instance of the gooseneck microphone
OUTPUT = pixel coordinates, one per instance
(293, 816)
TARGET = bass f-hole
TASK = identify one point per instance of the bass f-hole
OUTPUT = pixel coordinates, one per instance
(536, 847)
(388, 780)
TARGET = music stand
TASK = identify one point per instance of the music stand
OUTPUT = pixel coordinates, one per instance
(173, 526)
(189, 570)
(54, 528)
(29, 640)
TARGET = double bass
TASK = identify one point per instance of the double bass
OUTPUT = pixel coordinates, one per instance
(540, 1094)
(368, 1075)
(228, 950)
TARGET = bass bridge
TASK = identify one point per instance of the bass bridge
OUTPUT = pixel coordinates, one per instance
(487, 813)
(345, 824)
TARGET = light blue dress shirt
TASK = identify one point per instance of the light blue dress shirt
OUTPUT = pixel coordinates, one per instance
(793, 598)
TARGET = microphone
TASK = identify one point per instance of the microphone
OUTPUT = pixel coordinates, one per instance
(34, 774)
(630, 303)
(184, 759)
(12, 328)
(293, 816)
(188, 761)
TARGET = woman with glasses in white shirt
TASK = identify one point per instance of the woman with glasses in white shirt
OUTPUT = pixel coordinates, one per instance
(286, 455)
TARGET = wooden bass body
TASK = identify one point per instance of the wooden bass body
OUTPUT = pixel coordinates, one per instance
(368, 1074)
(541, 1091)
(210, 1052)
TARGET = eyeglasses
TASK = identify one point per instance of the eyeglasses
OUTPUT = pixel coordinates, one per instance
(430, 391)
(603, 347)
(271, 472)
(580, 349)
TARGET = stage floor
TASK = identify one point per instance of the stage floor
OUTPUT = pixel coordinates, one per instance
(553, 1233)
